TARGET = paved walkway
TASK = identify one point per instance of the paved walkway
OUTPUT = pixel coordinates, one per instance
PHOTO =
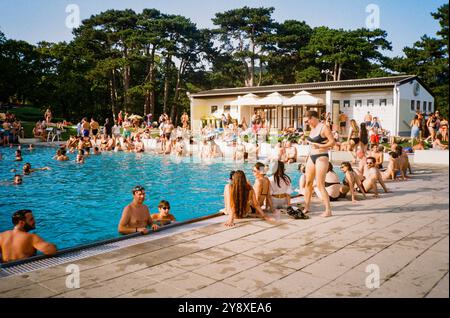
(403, 234)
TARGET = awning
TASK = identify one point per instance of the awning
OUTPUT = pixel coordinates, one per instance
(246, 100)
(304, 98)
(273, 99)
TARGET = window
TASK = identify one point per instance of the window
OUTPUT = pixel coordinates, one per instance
(430, 106)
(424, 107)
(214, 109)
(226, 109)
(347, 103)
(412, 105)
(269, 114)
(358, 103)
(288, 117)
(383, 102)
(418, 105)
(370, 103)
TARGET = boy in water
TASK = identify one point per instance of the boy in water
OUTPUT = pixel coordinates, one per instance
(163, 217)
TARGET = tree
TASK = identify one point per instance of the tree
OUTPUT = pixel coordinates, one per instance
(113, 34)
(243, 33)
(19, 70)
(428, 58)
(348, 54)
(284, 47)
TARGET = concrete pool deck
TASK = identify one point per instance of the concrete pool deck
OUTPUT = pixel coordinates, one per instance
(404, 233)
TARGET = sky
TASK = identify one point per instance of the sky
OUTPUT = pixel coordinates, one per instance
(405, 21)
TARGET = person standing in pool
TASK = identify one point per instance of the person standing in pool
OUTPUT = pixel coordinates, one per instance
(86, 127)
(321, 140)
(136, 215)
(18, 243)
(163, 217)
(94, 129)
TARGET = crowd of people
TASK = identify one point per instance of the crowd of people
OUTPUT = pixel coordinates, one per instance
(317, 175)
(272, 190)
(10, 129)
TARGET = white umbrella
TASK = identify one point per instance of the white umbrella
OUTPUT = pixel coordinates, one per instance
(303, 98)
(273, 99)
(246, 100)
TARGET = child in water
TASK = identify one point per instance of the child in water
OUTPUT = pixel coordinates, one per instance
(163, 217)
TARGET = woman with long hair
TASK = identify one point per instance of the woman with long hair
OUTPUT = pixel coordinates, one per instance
(241, 198)
(320, 140)
(280, 187)
(350, 181)
(353, 139)
(363, 136)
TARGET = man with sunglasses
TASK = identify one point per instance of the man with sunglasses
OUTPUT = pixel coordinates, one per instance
(136, 215)
(372, 176)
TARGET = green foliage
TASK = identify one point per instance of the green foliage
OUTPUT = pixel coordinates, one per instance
(428, 59)
(28, 113)
(147, 62)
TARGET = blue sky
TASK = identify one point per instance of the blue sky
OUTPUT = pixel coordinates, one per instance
(404, 20)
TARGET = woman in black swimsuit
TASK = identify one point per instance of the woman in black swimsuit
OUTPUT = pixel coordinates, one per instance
(363, 136)
(320, 140)
(332, 184)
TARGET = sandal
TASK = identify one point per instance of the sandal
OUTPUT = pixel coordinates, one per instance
(303, 215)
(291, 211)
(296, 214)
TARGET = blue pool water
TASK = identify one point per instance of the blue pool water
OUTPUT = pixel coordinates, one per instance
(77, 204)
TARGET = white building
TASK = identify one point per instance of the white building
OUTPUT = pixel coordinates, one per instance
(394, 100)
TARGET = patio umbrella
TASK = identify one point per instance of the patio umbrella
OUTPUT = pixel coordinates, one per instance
(273, 99)
(246, 100)
(303, 98)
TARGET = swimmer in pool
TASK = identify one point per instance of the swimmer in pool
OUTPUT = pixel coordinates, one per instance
(18, 243)
(18, 155)
(17, 179)
(27, 169)
(163, 217)
(136, 215)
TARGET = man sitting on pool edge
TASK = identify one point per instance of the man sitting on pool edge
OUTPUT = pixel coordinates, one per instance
(18, 243)
(136, 215)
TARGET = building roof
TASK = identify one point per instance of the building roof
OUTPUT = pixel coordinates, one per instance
(288, 88)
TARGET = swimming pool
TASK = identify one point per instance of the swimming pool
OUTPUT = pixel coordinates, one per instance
(77, 204)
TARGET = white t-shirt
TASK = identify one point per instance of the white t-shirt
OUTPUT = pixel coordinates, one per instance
(282, 189)
(116, 130)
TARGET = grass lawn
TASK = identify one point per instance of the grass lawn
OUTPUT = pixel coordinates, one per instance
(27, 113)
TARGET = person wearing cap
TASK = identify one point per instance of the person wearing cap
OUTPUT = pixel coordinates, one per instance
(136, 215)
(18, 243)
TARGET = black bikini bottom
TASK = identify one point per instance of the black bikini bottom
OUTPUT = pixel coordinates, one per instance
(314, 157)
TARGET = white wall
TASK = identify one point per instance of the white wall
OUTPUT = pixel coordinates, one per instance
(385, 114)
(407, 92)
